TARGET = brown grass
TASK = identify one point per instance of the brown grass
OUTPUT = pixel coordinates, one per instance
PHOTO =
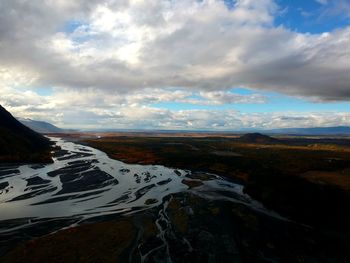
(99, 242)
(240, 159)
(338, 178)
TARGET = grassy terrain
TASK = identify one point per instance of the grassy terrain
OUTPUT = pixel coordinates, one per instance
(301, 178)
(101, 242)
(233, 158)
(306, 180)
(217, 230)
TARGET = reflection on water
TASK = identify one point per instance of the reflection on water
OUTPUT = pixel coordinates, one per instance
(84, 182)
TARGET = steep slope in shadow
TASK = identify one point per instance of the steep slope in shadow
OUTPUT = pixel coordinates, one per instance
(40, 126)
(19, 143)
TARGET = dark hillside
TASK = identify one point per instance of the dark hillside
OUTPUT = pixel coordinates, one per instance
(19, 143)
(40, 126)
(256, 138)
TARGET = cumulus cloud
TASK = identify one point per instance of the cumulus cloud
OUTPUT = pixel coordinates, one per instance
(126, 45)
(93, 110)
(134, 53)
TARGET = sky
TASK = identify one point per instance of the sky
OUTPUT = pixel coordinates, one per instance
(176, 64)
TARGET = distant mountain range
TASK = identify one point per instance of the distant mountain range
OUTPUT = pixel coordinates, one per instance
(46, 128)
(337, 130)
(40, 126)
(18, 143)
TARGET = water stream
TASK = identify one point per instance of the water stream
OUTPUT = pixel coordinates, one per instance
(84, 183)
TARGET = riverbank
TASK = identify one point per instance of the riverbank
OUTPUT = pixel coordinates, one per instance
(186, 228)
(305, 179)
(86, 207)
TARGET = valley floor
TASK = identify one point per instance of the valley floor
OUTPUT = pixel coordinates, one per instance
(207, 219)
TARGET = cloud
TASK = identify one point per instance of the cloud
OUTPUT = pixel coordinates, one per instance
(203, 45)
(101, 57)
(92, 110)
(221, 97)
(322, 2)
(336, 9)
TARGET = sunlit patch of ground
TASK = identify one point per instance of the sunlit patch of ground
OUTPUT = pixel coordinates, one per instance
(339, 179)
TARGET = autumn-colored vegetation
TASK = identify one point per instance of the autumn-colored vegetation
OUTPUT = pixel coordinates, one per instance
(231, 157)
(301, 178)
(100, 242)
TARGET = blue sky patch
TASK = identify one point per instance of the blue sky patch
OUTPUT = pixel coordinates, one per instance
(43, 91)
(310, 16)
